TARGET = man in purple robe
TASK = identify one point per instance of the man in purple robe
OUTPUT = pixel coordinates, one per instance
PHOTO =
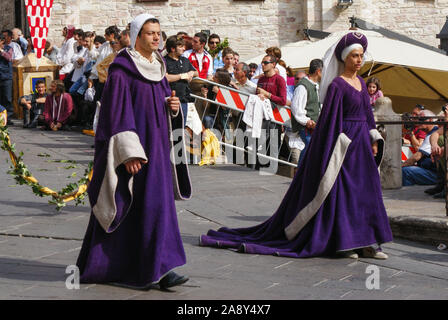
(334, 204)
(133, 236)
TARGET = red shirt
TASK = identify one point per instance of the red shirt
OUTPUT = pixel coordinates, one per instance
(418, 133)
(276, 86)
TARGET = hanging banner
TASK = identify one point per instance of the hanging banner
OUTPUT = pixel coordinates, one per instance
(38, 13)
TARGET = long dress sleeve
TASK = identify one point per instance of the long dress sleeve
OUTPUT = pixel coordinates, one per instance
(116, 141)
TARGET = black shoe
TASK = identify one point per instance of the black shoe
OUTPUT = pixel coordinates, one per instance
(172, 279)
(437, 189)
(33, 124)
(440, 195)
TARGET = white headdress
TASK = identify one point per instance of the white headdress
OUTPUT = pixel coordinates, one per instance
(136, 26)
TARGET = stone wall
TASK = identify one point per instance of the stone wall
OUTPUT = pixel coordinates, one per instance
(418, 19)
(6, 14)
(251, 26)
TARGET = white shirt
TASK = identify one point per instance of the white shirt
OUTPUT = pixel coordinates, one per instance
(200, 56)
(104, 50)
(65, 55)
(83, 53)
(298, 111)
(298, 103)
(88, 56)
(17, 51)
(249, 87)
(426, 145)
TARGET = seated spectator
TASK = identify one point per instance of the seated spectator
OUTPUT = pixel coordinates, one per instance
(58, 107)
(413, 134)
(51, 52)
(420, 169)
(437, 154)
(374, 89)
(33, 106)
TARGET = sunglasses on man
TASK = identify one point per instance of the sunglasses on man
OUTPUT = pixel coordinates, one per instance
(213, 42)
(267, 62)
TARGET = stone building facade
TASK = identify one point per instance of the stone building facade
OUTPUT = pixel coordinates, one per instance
(250, 25)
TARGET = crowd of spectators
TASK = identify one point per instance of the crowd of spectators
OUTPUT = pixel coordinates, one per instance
(426, 165)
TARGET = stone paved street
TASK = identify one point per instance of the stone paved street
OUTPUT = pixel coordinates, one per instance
(37, 243)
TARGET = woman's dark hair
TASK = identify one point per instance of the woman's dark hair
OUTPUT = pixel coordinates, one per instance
(173, 42)
(223, 76)
(227, 51)
(375, 81)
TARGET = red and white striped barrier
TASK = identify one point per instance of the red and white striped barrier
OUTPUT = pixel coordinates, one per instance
(237, 100)
(407, 152)
(232, 99)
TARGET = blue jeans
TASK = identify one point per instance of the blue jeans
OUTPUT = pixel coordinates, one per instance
(6, 97)
(184, 106)
(418, 175)
(306, 137)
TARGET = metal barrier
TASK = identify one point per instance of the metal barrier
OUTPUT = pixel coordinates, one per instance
(231, 102)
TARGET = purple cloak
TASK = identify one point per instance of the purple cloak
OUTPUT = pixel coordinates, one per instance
(142, 242)
(334, 202)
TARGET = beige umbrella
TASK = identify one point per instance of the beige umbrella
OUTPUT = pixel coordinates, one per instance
(409, 74)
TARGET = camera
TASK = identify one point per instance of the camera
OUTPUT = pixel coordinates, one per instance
(408, 117)
(2, 38)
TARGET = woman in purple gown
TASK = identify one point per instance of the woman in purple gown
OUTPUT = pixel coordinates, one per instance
(334, 204)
